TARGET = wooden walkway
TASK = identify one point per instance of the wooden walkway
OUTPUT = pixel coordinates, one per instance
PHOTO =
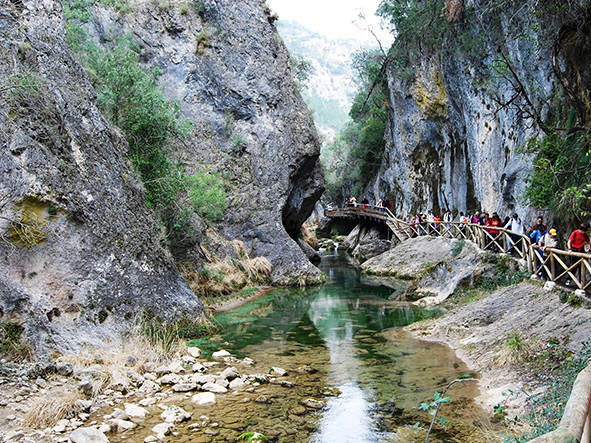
(571, 269)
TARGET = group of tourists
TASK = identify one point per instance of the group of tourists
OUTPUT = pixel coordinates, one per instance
(364, 203)
(541, 238)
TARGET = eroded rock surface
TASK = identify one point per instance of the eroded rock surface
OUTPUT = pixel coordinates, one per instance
(81, 254)
(80, 251)
(439, 265)
(228, 69)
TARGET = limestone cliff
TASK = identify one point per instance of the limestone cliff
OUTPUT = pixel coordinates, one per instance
(229, 70)
(459, 112)
(81, 253)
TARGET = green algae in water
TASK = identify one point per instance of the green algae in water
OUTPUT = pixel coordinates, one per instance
(351, 334)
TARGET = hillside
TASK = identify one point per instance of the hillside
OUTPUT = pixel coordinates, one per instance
(331, 85)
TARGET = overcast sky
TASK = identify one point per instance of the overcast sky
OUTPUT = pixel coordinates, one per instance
(333, 18)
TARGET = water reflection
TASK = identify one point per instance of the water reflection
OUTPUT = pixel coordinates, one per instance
(349, 330)
(348, 414)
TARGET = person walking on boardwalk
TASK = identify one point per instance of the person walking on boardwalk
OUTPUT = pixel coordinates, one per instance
(515, 225)
(543, 247)
(448, 218)
(494, 222)
(578, 242)
(365, 202)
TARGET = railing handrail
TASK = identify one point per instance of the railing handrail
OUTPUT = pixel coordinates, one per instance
(498, 238)
(575, 424)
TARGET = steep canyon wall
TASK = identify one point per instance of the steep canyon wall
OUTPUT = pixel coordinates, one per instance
(459, 114)
(81, 254)
(229, 71)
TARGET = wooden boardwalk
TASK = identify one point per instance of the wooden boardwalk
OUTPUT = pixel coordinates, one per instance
(558, 266)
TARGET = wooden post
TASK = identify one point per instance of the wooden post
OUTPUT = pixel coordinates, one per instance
(587, 430)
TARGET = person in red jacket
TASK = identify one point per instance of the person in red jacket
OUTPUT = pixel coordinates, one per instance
(494, 222)
(577, 242)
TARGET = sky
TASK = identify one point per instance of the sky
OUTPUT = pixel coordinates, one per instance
(333, 18)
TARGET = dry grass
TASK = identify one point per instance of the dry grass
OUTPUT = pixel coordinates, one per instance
(47, 411)
(113, 363)
(517, 349)
(308, 237)
(453, 9)
(222, 277)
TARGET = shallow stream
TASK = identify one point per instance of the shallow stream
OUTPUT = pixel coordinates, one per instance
(346, 334)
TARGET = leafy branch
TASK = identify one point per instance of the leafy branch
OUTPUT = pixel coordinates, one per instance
(435, 405)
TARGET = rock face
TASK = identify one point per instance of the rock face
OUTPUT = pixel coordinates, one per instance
(438, 265)
(80, 252)
(457, 120)
(227, 67)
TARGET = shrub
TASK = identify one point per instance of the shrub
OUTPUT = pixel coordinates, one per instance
(11, 343)
(207, 196)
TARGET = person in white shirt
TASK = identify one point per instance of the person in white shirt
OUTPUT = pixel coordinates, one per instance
(515, 225)
(543, 246)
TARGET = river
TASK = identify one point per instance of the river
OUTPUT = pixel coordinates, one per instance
(343, 343)
(353, 373)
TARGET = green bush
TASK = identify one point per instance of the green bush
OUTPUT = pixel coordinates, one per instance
(11, 343)
(207, 196)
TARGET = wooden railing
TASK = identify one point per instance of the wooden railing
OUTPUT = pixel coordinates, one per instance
(558, 266)
(563, 267)
(360, 211)
(555, 265)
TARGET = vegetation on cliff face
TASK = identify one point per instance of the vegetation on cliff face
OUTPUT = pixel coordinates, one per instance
(350, 162)
(497, 40)
(518, 33)
(130, 99)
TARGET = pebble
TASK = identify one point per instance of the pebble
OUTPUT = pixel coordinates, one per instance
(148, 401)
(88, 435)
(194, 351)
(214, 387)
(278, 371)
(163, 428)
(221, 354)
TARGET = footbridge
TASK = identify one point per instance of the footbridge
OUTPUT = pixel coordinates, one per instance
(571, 269)
(400, 229)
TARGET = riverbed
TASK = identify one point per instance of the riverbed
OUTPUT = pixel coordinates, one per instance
(343, 346)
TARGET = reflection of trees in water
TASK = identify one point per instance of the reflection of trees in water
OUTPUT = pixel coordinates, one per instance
(282, 310)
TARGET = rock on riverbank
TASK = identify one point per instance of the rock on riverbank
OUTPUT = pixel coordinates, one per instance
(439, 265)
(142, 395)
(480, 333)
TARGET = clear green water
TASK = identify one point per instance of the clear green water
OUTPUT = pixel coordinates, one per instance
(350, 332)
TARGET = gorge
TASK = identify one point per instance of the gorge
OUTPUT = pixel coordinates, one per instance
(154, 149)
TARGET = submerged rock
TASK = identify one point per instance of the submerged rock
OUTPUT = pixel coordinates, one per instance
(175, 414)
(204, 399)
